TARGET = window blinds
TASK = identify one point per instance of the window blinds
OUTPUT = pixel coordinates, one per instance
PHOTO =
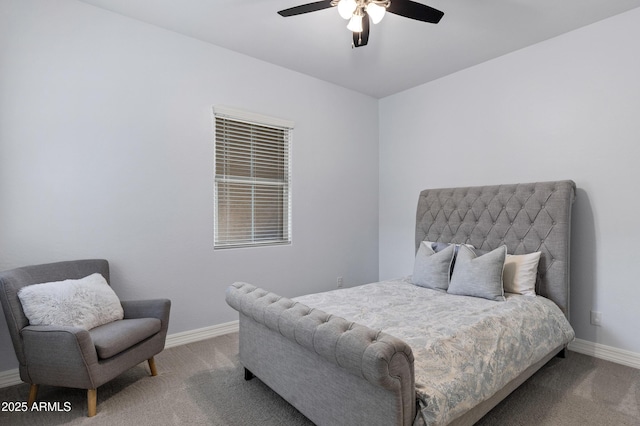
(252, 180)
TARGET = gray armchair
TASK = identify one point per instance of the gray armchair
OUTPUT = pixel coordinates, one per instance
(75, 357)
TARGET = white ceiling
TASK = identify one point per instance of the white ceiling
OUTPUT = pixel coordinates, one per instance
(402, 53)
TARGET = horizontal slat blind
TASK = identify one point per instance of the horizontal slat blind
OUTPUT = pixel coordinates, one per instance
(252, 182)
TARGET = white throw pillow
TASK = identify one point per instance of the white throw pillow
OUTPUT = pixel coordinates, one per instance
(520, 273)
(85, 303)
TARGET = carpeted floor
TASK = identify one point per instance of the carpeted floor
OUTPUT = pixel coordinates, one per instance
(202, 384)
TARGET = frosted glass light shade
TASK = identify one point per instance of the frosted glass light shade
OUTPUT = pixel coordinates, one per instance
(346, 8)
(376, 12)
(355, 24)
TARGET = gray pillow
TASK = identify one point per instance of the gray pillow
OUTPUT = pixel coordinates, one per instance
(431, 269)
(478, 276)
(439, 246)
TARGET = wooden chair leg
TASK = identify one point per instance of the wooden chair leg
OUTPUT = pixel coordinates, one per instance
(152, 366)
(92, 400)
(33, 393)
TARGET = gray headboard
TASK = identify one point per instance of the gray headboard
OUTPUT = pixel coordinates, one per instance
(526, 217)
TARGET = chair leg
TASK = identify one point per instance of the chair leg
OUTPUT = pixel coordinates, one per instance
(92, 400)
(152, 366)
(33, 393)
(248, 375)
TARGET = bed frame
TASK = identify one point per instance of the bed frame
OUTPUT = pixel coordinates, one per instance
(341, 373)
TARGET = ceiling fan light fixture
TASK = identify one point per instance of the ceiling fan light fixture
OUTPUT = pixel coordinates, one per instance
(376, 12)
(346, 8)
(358, 12)
(355, 24)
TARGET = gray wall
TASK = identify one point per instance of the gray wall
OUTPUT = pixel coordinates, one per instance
(567, 108)
(106, 150)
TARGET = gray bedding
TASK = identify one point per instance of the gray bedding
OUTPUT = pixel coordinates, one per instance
(461, 359)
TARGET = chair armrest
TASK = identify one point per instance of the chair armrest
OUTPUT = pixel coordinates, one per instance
(155, 308)
(59, 355)
(56, 339)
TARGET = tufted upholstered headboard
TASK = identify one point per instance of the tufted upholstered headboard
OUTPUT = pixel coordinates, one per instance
(526, 217)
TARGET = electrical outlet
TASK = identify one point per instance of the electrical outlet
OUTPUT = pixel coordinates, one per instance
(596, 318)
(339, 282)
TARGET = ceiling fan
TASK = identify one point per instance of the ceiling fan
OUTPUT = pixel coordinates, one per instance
(358, 13)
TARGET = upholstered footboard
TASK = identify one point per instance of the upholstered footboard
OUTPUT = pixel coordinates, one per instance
(334, 371)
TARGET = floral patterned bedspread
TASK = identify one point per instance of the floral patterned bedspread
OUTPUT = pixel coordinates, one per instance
(465, 348)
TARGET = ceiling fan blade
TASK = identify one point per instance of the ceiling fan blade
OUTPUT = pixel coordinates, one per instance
(413, 10)
(361, 39)
(306, 8)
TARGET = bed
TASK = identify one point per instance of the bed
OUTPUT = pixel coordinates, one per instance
(397, 353)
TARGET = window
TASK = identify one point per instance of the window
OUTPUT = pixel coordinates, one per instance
(252, 193)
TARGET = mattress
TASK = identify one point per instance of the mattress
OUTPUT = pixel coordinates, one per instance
(465, 348)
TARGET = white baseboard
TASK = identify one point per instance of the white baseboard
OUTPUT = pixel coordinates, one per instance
(608, 353)
(12, 377)
(198, 334)
(9, 378)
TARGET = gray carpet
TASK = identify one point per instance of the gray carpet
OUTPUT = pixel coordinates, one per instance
(202, 384)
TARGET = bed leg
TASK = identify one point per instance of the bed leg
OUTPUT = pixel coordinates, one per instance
(248, 375)
(562, 353)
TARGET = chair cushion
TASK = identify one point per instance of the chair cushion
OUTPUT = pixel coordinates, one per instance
(112, 338)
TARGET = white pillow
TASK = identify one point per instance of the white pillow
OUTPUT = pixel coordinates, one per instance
(85, 303)
(520, 272)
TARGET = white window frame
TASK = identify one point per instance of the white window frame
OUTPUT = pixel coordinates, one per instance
(260, 122)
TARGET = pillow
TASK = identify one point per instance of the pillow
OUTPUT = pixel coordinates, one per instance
(431, 269)
(520, 273)
(85, 303)
(439, 246)
(478, 276)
